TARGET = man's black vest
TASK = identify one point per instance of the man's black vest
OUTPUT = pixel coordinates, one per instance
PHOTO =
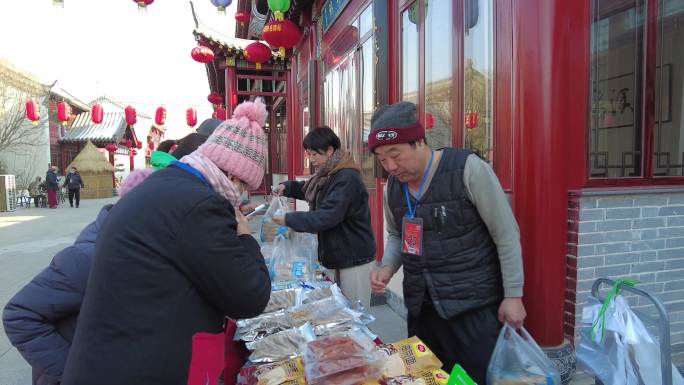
(460, 267)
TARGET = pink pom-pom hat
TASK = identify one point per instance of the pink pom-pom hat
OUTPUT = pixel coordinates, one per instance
(238, 145)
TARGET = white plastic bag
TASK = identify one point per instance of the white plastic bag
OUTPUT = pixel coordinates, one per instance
(621, 350)
(286, 263)
(269, 229)
(517, 357)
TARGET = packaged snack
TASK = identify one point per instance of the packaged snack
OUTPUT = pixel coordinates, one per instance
(280, 346)
(288, 262)
(280, 372)
(269, 229)
(425, 377)
(408, 357)
(342, 360)
(283, 299)
(254, 329)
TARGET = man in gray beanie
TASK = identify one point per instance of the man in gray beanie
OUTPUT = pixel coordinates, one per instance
(452, 229)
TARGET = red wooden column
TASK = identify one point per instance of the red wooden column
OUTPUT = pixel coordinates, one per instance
(230, 90)
(549, 105)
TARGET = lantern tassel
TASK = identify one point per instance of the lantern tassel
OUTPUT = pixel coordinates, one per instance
(34, 122)
(258, 66)
(221, 10)
(278, 15)
(281, 52)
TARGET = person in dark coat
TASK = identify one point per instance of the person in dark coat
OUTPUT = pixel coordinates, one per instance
(74, 183)
(339, 213)
(40, 320)
(52, 186)
(169, 269)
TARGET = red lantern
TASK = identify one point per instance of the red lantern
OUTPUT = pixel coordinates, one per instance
(220, 113)
(151, 146)
(142, 4)
(131, 116)
(258, 53)
(111, 147)
(160, 116)
(63, 112)
(243, 17)
(429, 121)
(32, 111)
(283, 34)
(471, 119)
(234, 100)
(97, 114)
(129, 143)
(191, 117)
(202, 54)
(139, 145)
(215, 98)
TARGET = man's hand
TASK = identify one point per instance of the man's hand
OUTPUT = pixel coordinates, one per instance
(248, 208)
(279, 220)
(280, 189)
(242, 224)
(512, 311)
(380, 278)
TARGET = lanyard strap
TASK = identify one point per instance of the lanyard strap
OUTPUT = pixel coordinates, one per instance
(412, 210)
(186, 167)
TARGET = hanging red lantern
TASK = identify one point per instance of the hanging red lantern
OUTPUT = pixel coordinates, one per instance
(142, 4)
(471, 118)
(111, 147)
(129, 143)
(243, 17)
(32, 111)
(429, 121)
(63, 112)
(151, 146)
(160, 116)
(139, 145)
(220, 113)
(131, 116)
(258, 53)
(97, 114)
(191, 117)
(282, 34)
(215, 98)
(202, 54)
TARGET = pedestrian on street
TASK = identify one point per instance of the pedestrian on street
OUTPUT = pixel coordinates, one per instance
(52, 186)
(74, 183)
(40, 320)
(34, 191)
(172, 260)
(338, 213)
(452, 229)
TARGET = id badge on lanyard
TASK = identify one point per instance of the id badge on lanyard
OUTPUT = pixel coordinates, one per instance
(412, 227)
(412, 236)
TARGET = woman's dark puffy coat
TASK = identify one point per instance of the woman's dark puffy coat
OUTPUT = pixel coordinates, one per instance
(40, 320)
(341, 219)
(168, 264)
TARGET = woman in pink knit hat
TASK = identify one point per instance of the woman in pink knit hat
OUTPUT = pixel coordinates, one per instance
(174, 259)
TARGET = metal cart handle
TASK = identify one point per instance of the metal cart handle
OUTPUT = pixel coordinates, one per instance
(664, 327)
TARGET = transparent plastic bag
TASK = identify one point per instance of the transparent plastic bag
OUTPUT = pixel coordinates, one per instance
(342, 360)
(621, 351)
(518, 360)
(286, 264)
(269, 229)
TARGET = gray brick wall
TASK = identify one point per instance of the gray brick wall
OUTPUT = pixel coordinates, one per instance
(639, 236)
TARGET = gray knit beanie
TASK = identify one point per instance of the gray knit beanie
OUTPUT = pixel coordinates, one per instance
(394, 124)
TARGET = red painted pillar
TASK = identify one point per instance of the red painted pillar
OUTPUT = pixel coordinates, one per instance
(545, 33)
(132, 160)
(230, 90)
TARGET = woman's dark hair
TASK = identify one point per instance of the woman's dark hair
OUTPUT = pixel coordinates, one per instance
(188, 144)
(320, 138)
(166, 145)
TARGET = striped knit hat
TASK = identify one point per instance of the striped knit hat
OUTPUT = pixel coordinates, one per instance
(238, 145)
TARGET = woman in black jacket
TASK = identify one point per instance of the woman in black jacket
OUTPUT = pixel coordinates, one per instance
(339, 213)
(173, 259)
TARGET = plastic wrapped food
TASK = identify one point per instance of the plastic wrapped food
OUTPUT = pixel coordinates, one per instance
(269, 229)
(318, 294)
(425, 377)
(280, 372)
(284, 299)
(408, 357)
(342, 360)
(289, 260)
(280, 346)
(254, 329)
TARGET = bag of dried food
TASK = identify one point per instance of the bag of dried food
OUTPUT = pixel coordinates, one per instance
(342, 360)
(280, 346)
(286, 264)
(408, 357)
(269, 229)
